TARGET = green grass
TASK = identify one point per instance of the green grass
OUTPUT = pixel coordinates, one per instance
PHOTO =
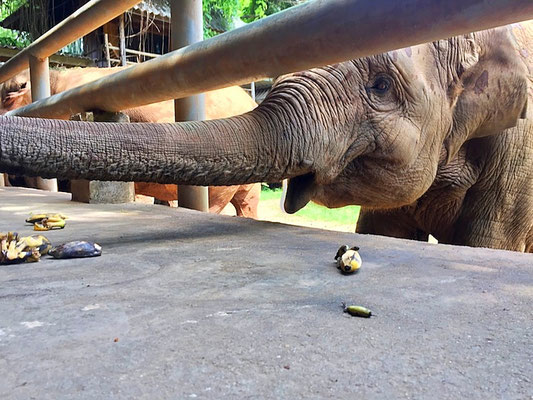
(312, 211)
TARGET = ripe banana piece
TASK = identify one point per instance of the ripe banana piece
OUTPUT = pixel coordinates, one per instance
(48, 224)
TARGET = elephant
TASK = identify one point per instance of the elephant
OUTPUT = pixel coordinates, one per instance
(16, 92)
(460, 206)
(444, 123)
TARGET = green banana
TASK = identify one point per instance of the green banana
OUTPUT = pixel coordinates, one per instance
(357, 311)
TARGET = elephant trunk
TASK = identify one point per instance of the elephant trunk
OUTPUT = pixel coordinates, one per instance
(253, 147)
(304, 131)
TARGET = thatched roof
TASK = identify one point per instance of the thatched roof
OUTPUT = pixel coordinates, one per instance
(159, 8)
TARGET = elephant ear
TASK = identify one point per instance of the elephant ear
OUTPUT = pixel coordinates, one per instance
(487, 86)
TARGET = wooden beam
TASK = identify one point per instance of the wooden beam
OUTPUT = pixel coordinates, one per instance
(7, 53)
(136, 52)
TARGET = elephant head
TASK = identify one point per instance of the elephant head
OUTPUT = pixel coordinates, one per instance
(15, 92)
(370, 131)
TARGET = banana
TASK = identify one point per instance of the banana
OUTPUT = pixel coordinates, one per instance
(12, 236)
(343, 249)
(55, 218)
(348, 259)
(40, 242)
(32, 255)
(357, 311)
(15, 249)
(54, 223)
(48, 224)
(40, 227)
(12, 252)
(36, 218)
(39, 217)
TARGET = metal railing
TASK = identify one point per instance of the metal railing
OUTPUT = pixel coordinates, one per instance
(85, 20)
(315, 33)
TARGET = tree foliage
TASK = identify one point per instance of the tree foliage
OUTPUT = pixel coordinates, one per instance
(220, 15)
(9, 37)
(253, 10)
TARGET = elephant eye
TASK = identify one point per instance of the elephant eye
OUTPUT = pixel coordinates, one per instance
(381, 85)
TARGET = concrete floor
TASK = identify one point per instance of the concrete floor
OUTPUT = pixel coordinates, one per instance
(189, 305)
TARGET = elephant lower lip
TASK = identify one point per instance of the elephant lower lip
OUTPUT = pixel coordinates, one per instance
(298, 192)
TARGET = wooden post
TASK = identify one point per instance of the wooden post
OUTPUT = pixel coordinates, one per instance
(107, 54)
(122, 38)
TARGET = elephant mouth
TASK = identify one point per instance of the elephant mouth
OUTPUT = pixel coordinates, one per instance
(297, 192)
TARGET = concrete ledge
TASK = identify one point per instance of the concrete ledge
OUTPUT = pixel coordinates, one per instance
(192, 305)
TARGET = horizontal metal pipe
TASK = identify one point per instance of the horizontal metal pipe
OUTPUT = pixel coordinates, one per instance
(69, 61)
(315, 33)
(85, 20)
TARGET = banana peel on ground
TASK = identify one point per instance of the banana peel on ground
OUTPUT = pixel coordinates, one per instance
(46, 222)
(15, 249)
(348, 259)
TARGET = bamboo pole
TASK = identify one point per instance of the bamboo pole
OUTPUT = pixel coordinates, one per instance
(107, 53)
(122, 40)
